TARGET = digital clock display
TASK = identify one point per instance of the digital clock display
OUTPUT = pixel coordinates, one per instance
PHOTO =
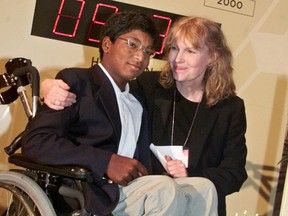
(80, 21)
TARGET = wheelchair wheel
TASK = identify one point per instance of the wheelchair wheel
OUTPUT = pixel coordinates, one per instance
(21, 196)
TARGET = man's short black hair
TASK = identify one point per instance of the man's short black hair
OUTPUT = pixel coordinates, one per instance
(127, 21)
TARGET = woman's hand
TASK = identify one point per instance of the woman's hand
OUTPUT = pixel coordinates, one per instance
(56, 94)
(175, 168)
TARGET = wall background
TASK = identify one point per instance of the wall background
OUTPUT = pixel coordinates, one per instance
(258, 37)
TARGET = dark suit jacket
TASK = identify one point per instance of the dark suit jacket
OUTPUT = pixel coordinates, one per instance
(217, 148)
(85, 134)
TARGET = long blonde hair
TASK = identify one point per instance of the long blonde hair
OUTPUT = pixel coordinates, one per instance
(219, 83)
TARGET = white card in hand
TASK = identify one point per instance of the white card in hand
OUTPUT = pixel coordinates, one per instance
(175, 152)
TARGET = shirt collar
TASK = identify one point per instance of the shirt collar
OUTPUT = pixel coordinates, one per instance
(115, 86)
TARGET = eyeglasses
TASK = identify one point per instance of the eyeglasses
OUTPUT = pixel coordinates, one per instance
(135, 45)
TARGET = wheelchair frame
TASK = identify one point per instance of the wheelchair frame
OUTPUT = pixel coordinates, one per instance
(30, 189)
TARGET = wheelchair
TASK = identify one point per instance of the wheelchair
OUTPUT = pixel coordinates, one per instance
(35, 189)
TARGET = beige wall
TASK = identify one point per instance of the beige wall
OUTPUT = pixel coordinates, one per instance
(259, 40)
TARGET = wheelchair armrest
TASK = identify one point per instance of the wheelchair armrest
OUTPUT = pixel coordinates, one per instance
(15, 144)
(75, 172)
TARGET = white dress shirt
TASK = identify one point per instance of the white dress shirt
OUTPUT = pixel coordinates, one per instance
(130, 111)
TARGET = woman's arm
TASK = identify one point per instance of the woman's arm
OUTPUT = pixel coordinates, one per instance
(56, 94)
(224, 160)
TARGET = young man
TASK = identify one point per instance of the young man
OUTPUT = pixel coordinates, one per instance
(107, 131)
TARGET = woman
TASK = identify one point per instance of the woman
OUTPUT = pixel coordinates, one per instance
(192, 103)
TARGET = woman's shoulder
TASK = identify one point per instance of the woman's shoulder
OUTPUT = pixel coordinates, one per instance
(236, 100)
(233, 104)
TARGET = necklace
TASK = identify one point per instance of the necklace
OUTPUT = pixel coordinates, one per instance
(173, 120)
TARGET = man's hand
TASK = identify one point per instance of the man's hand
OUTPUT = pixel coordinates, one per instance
(175, 168)
(122, 170)
(56, 94)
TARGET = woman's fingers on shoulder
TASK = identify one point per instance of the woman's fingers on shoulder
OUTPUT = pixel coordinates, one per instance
(62, 84)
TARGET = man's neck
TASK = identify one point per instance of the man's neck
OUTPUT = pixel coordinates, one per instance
(121, 83)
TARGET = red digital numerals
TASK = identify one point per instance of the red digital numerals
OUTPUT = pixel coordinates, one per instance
(70, 12)
(98, 21)
(67, 20)
(162, 33)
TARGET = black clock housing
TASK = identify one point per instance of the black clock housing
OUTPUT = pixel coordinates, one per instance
(80, 21)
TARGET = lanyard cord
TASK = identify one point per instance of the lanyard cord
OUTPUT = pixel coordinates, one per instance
(173, 120)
